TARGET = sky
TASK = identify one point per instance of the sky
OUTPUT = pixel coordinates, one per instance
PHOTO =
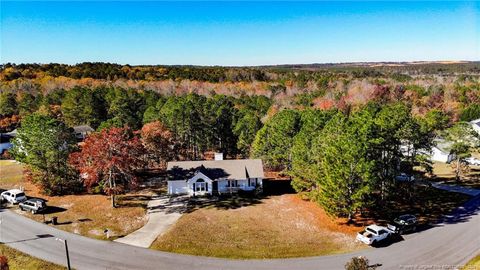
(237, 33)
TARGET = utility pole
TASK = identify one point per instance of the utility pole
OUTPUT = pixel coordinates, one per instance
(66, 252)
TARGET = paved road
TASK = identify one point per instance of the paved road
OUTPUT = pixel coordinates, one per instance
(451, 243)
(458, 189)
(163, 211)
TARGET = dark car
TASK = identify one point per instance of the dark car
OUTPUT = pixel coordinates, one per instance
(403, 224)
(33, 205)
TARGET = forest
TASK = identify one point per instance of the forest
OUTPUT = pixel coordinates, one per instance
(305, 121)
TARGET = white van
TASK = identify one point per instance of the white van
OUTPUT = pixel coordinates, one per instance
(14, 196)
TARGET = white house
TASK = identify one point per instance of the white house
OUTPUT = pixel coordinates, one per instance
(214, 176)
(5, 140)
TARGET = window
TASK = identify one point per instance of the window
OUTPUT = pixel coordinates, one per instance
(232, 183)
(200, 185)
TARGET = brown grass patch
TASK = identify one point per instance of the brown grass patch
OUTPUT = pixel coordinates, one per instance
(444, 172)
(84, 214)
(19, 260)
(277, 227)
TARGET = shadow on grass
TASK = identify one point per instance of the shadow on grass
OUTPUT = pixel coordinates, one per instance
(223, 202)
(53, 210)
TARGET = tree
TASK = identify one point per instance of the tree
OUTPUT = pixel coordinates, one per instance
(274, 140)
(44, 143)
(158, 143)
(8, 104)
(305, 171)
(82, 106)
(3, 263)
(109, 159)
(470, 113)
(348, 174)
(464, 139)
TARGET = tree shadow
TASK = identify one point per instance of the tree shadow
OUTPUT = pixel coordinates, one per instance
(223, 202)
(53, 210)
(38, 236)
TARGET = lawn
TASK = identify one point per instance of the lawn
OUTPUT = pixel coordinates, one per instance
(21, 261)
(473, 264)
(274, 227)
(444, 172)
(84, 214)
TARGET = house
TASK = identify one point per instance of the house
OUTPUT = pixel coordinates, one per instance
(6, 140)
(217, 176)
(82, 131)
(476, 125)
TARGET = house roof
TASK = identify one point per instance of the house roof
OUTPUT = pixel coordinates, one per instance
(83, 129)
(214, 169)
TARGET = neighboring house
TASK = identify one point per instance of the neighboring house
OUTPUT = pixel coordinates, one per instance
(440, 152)
(476, 125)
(81, 132)
(214, 176)
(5, 140)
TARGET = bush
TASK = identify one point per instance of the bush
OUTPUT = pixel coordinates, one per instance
(3, 263)
(357, 263)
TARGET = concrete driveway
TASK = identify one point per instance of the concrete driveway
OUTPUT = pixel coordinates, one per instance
(163, 211)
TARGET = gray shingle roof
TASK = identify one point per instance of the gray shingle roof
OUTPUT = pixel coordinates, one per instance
(214, 169)
(83, 129)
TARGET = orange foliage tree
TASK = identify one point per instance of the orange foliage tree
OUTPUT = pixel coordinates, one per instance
(109, 159)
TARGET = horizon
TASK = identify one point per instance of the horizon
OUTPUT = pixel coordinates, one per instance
(416, 62)
(238, 34)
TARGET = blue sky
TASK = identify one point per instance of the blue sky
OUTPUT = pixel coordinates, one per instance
(237, 33)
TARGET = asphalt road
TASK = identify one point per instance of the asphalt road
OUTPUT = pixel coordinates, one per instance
(445, 246)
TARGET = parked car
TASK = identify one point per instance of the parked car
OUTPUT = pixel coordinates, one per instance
(403, 224)
(14, 196)
(33, 205)
(403, 177)
(473, 161)
(373, 234)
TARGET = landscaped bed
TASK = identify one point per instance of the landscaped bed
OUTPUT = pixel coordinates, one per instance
(21, 261)
(84, 214)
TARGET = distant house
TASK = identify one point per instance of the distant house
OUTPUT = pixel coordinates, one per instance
(82, 131)
(214, 176)
(476, 125)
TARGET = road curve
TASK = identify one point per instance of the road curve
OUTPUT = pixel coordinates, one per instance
(445, 246)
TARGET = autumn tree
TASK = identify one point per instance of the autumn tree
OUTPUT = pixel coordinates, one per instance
(108, 159)
(3, 263)
(158, 143)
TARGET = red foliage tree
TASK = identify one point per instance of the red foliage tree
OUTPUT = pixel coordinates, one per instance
(109, 159)
(158, 141)
(3, 263)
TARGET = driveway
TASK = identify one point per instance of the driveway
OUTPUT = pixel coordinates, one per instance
(458, 189)
(445, 246)
(163, 211)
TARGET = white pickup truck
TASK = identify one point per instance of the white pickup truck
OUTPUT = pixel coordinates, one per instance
(374, 234)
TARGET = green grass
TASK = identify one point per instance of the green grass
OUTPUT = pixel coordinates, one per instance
(473, 264)
(22, 261)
